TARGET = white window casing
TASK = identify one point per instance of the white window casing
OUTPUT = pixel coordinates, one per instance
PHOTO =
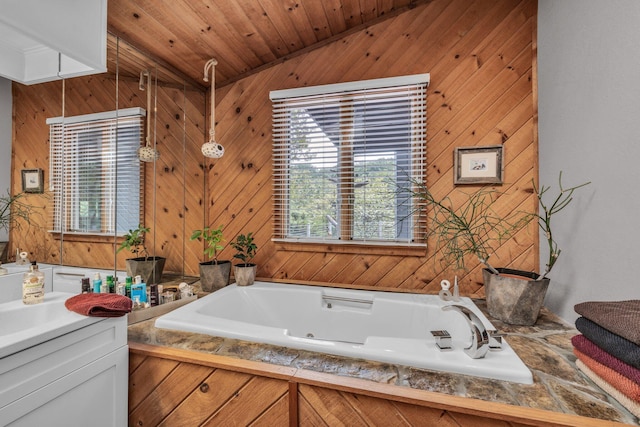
(345, 156)
(95, 177)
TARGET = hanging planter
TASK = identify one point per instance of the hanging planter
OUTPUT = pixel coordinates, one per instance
(212, 149)
(147, 153)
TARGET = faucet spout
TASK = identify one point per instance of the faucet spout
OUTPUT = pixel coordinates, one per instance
(479, 335)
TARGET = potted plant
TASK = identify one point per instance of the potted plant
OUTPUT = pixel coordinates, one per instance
(148, 267)
(214, 274)
(245, 272)
(514, 296)
(475, 228)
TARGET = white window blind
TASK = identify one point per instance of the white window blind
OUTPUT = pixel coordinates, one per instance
(345, 156)
(95, 176)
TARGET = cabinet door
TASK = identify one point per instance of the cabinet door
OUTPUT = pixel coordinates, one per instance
(94, 395)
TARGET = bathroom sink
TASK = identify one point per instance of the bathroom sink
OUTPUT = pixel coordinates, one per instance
(24, 326)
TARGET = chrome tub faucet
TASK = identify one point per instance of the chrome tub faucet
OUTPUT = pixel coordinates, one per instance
(479, 335)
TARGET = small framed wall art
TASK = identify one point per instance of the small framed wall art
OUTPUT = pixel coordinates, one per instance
(32, 180)
(478, 165)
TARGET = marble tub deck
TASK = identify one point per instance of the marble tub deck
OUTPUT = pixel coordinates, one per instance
(545, 348)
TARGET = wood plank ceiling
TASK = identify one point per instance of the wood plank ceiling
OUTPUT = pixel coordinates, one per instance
(245, 36)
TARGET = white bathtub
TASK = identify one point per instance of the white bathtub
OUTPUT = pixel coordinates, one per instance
(380, 326)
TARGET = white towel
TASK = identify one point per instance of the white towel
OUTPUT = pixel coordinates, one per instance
(631, 405)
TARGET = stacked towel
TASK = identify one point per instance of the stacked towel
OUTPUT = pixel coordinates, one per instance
(608, 350)
(99, 305)
(622, 317)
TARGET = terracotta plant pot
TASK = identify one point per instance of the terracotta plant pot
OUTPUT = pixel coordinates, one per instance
(214, 275)
(149, 268)
(514, 297)
(245, 274)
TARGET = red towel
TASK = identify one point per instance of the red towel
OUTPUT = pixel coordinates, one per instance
(599, 355)
(618, 381)
(99, 305)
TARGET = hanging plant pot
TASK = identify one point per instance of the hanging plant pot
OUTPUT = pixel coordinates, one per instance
(149, 268)
(214, 275)
(245, 274)
(513, 296)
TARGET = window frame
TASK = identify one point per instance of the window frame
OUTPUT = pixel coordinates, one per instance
(417, 166)
(64, 171)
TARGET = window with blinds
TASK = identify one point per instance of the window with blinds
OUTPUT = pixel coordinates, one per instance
(345, 157)
(95, 176)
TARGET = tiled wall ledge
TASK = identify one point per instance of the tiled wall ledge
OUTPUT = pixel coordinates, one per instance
(545, 348)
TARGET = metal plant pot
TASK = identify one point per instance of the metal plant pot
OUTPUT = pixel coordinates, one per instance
(149, 268)
(514, 297)
(245, 274)
(214, 275)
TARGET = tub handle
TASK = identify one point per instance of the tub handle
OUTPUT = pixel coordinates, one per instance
(329, 298)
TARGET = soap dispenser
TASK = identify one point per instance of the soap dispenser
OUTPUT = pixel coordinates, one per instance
(33, 285)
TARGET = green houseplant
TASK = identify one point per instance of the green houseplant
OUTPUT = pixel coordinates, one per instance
(475, 228)
(245, 272)
(150, 268)
(214, 273)
(514, 296)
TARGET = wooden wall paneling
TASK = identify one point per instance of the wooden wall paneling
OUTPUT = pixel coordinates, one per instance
(479, 56)
(376, 270)
(164, 212)
(332, 268)
(404, 264)
(94, 94)
(476, 88)
(471, 60)
(314, 262)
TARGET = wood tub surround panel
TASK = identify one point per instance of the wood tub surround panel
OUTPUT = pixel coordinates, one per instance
(170, 386)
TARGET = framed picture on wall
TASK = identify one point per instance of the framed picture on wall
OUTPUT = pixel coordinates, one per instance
(32, 180)
(478, 165)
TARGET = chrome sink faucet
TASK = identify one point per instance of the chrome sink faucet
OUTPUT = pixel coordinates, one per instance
(479, 334)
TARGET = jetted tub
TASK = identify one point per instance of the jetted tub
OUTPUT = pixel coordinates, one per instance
(380, 326)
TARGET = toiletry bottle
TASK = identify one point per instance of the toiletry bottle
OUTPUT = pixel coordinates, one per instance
(154, 298)
(86, 285)
(121, 288)
(33, 285)
(97, 283)
(128, 282)
(111, 285)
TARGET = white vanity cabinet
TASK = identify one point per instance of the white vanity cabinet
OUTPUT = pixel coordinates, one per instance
(79, 378)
